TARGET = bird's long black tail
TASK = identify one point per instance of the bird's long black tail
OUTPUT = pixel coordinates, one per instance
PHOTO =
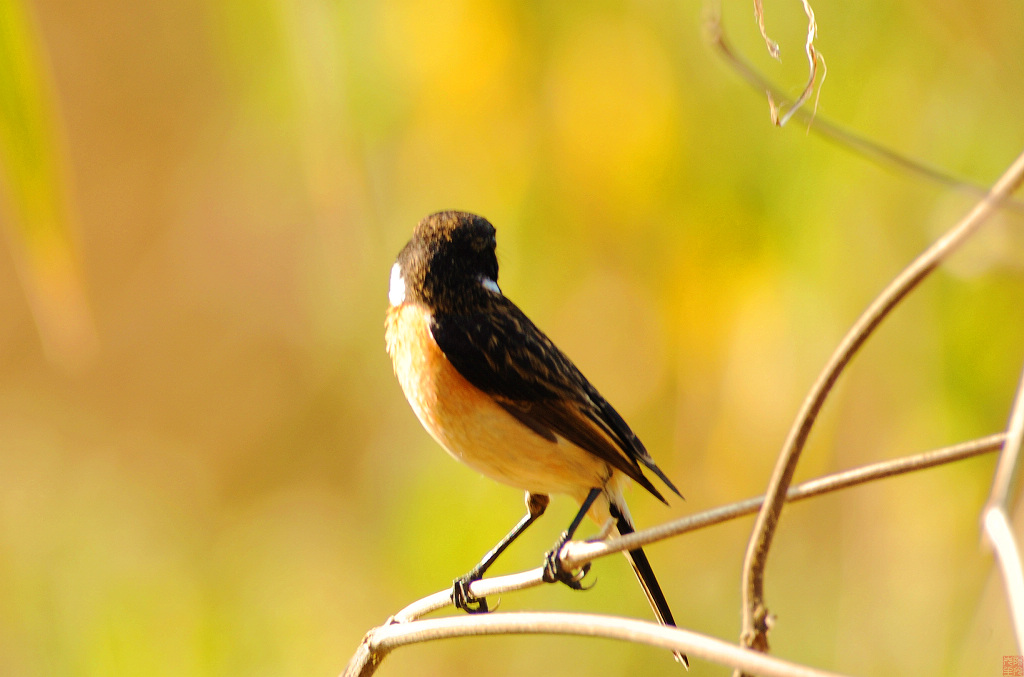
(645, 574)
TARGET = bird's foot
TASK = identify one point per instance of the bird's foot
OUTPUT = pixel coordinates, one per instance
(554, 572)
(463, 599)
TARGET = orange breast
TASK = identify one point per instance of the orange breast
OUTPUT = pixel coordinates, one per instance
(472, 427)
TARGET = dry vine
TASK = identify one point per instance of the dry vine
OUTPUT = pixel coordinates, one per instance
(405, 627)
(755, 613)
(995, 520)
(814, 58)
(843, 138)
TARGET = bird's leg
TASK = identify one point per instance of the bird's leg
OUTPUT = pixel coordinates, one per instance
(536, 504)
(605, 531)
(553, 570)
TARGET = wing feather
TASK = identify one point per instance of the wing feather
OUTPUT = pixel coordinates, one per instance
(501, 352)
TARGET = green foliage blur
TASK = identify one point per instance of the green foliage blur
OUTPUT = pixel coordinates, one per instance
(206, 465)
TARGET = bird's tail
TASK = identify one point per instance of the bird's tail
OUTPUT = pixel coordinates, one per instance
(645, 574)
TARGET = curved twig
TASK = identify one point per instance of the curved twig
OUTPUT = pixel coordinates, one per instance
(755, 613)
(813, 57)
(575, 554)
(380, 641)
(995, 516)
(830, 131)
(578, 553)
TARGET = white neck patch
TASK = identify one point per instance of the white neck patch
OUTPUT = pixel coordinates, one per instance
(489, 284)
(396, 289)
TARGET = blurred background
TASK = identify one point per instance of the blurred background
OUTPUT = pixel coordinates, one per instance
(206, 465)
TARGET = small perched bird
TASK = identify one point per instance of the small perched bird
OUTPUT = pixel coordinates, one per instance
(499, 396)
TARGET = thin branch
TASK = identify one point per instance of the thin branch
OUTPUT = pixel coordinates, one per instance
(996, 520)
(575, 554)
(830, 131)
(755, 613)
(1007, 470)
(485, 587)
(578, 553)
(1004, 545)
(380, 641)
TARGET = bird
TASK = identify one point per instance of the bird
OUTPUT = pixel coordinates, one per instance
(498, 395)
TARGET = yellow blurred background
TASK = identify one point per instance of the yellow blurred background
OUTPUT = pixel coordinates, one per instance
(206, 465)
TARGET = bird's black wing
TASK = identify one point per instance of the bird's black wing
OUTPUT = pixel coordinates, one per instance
(501, 352)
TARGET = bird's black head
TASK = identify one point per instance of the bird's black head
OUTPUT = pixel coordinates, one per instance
(449, 264)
